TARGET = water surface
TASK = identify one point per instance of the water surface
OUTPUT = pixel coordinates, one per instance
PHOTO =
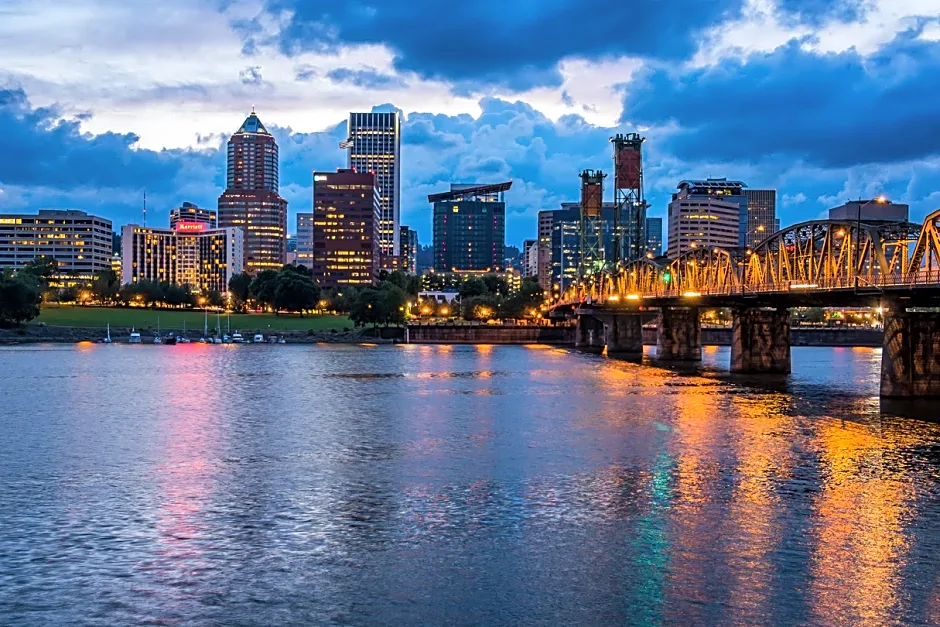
(405, 485)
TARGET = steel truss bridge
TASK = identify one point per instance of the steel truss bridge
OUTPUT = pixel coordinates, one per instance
(816, 263)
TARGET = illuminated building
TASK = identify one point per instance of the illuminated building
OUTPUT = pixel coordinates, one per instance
(408, 245)
(761, 215)
(560, 243)
(706, 214)
(251, 200)
(374, 145)
(79, 242)
(190, 254)
(346, 214)
(116, 264)
(654, 237)
(470, 228)
(188, 212)
(546, 219)
(305, 239)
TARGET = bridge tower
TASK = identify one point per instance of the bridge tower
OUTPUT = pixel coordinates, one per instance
(630, 212)
(592, 232)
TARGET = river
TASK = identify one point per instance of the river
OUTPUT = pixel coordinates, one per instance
(430, 485)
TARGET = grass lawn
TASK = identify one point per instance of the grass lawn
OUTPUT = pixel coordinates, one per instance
(67, 316)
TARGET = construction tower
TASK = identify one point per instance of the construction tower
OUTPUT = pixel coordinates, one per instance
(592, 227)
(630, 207)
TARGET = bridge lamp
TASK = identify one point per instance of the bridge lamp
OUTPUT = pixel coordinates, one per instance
(840, 232)
(633, 297)
(691, 294)
(613, 298)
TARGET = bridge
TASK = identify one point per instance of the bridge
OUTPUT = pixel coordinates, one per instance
(821, 263)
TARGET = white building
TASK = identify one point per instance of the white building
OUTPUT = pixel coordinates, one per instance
(374, 145)
(191, 254)
(702, 221)
(530, 258)
(305, 239)
(79, 242)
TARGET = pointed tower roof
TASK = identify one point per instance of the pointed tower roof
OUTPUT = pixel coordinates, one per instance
(252, 124)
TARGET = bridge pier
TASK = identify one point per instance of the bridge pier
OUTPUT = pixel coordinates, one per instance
(760, 341)
(910, 358)
(589, 335)
(679, 336)
(624, 334)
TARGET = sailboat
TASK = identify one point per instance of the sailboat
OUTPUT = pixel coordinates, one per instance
(134, 337)
(218, 330)
(107, 338)
(182, 339)
(156, 338)
(205, 328)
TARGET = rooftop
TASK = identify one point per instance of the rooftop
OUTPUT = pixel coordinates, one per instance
(465, 191)
(252, 124)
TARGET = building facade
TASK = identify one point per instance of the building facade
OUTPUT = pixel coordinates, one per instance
(530, 258)
(470, 228)
(251, 200)
(374, 145)
(346, 215)
(408, 243)
(190, 254)
(545, 250)
(81, 243)
(761, 215)
(305, 239)
(702, 214)
(188, 212)
(654, 237)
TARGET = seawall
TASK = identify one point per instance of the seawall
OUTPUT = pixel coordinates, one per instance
(489, 334)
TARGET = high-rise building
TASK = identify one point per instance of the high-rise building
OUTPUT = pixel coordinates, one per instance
(530, 258)
(545, 249)
(188, 212)
(761, 215)
(346, 214)
(190, 254)
(654, 237)
(251, 200)
(703, 214)
(292, 243)
(470, 228)
(408, 242)
(79, 242)
(374, 145)
(305, 239)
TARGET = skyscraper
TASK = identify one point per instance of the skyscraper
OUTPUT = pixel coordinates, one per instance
(346, 228)
(470, 228)
(374, 145)
(761, 215)
(654, 236)
(251, 200)
(408, 242)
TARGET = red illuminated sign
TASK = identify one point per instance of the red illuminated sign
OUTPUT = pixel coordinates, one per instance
(191, 227)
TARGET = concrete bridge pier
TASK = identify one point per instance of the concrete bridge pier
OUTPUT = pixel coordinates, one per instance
(623, 334)
(679, 336)
(590, 334)
(910, 358)
(760, 340)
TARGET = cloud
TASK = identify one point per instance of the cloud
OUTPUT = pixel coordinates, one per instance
(250, 75)
(367, 78)
(829, 110)
(517, 45)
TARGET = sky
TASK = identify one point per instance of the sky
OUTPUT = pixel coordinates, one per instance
(101, 100)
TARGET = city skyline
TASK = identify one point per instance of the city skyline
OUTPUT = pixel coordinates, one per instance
(539, 120)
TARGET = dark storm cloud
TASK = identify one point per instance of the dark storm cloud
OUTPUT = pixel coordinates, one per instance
(516, 44)
(832, 111)
(366, 78)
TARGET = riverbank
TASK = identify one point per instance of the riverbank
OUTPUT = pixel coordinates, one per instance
(50, 334)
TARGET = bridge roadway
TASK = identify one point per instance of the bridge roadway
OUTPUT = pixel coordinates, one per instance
(828, 263)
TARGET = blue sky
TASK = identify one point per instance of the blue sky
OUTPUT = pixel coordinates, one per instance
(824, 101)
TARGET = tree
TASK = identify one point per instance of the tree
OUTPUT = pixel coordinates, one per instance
(239, 289)
(212, 298)
(43, 269)
(263, 286)
(366, 308)
(20, 296)
(67, 295)
(176, 295)
(106, 285)
(472, 287)
(340, 298)
(393, 300)
(521, 303)
(496, 285)
(295, 292)
(482, 307)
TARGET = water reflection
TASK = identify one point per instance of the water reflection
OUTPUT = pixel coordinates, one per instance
(470, 484)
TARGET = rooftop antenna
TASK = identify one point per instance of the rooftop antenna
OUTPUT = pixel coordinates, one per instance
(145, 207)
